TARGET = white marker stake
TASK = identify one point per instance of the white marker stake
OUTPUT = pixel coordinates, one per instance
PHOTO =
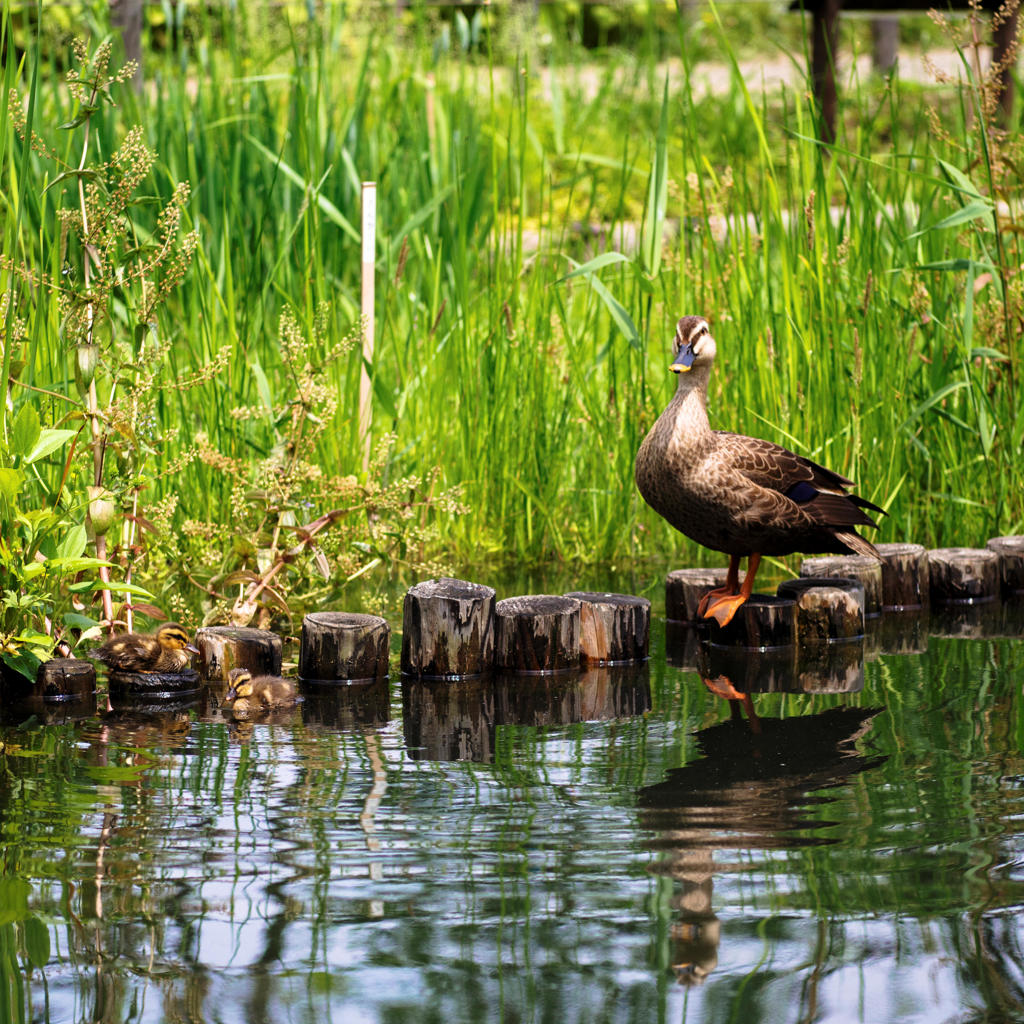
(369, 228)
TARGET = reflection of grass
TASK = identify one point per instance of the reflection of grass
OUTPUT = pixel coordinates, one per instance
(835, 336)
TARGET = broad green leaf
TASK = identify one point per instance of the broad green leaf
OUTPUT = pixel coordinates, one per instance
(73, 543)
(971, 211)
(618, 312)
(606, 259)
(326, 206)
(49, 441)
(14, 894)
(11, 482)
(77, 621)
(24, 430)
(959, 179)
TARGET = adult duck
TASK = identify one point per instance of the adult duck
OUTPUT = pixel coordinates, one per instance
(736, 494)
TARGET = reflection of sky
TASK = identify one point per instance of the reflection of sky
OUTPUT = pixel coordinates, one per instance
(253, 883)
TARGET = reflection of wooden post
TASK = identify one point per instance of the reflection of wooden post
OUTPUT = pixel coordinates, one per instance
(824, 37)
(369, 235)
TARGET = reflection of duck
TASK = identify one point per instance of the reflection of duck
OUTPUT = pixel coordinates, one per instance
(169, 649)
(750, 790)
(739, 494)
(750, 787)
(247, 692)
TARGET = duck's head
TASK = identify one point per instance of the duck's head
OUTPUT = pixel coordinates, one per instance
(172, 637)
(239, 684)
(692, 345)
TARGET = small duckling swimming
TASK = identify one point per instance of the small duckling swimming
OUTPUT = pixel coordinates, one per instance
(247, 692)
(169, 649)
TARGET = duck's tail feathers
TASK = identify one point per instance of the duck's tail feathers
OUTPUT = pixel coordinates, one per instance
(856, 543)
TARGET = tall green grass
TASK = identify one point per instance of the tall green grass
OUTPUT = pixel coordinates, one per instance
(844, 294)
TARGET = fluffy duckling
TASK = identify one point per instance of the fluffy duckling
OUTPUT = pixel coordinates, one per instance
(169, 649)
(247, 692)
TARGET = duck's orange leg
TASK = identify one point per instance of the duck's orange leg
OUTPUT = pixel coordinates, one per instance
(732, 586)
(724, 607)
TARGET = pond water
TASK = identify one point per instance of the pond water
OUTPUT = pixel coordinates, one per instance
(618, 846)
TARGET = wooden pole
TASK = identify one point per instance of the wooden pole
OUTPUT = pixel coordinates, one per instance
(824, 37)
(369, 236)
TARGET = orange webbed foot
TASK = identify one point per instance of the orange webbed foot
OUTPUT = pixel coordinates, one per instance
(710, 598)
(722, 609)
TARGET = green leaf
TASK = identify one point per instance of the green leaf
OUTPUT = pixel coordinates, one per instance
(77, 621)
(606, 259)
(959, 179)
(326, 206)
(262, 386)
(618, 313)
(657, 197)
(37, 942)
(11, 482)
(49, 441)
(971, 211)
(14, 894)
(73, 543)
(24, 430)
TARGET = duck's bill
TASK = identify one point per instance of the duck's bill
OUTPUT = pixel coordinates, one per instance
(684, 360)
(191, 648)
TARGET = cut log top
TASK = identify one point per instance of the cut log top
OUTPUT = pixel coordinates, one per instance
(538, 633)
(1011, 562)
(448, 629)
(222, 648)
(963, 574)
(867, 571)
(343, 647)
(904, 576)
(762, 622)
(684, 589)
(614, 628)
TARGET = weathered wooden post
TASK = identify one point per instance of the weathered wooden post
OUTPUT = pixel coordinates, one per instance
(343, 647)
(538, 633)
(222, 648)
(155, 689)
(1011, 562)
(904, 576)
(448, 629)
(762, 622)
(866, 570)
(685, 588)
(65, 679)
(826, 608)
(963, 575)
(615, 629)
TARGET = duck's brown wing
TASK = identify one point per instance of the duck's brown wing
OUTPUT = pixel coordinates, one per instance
(126, 653)
(820, 492)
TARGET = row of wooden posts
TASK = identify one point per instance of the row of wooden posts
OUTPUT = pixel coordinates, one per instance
(455, 629)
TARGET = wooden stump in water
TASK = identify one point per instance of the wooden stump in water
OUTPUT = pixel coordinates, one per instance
(963, 575)
(867, 571)
(222, 648)
(826, 609)
(65, 679)
(684, 589)
(448, 629)
(156, 688)
(538, 633)
(343, 647)
(904, 576)
(615, 629)
(762, 622)
(1011, 562)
